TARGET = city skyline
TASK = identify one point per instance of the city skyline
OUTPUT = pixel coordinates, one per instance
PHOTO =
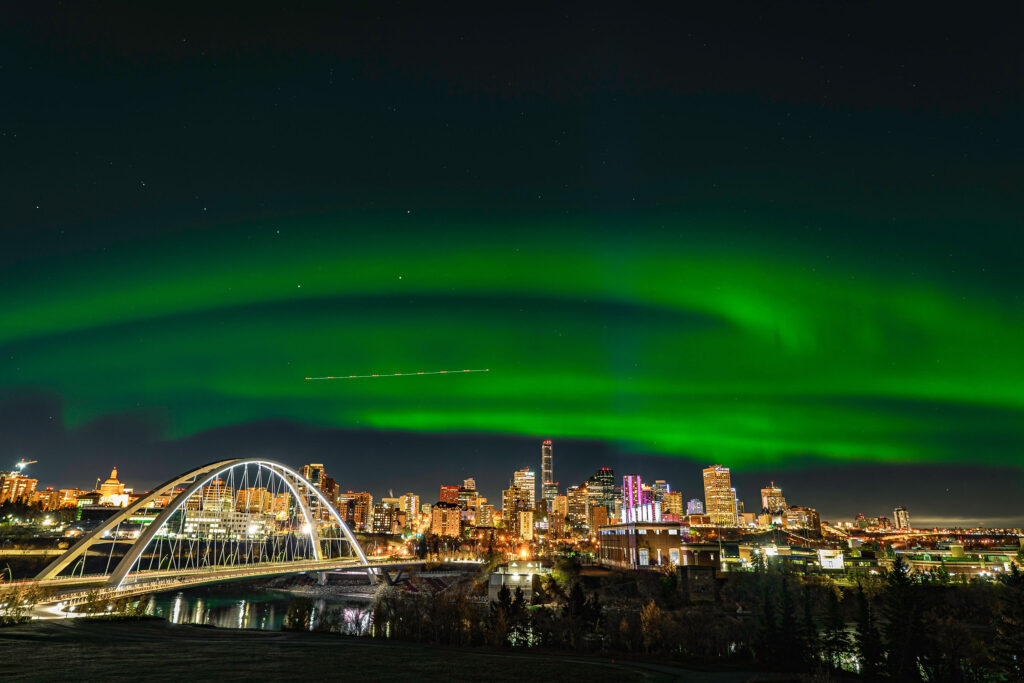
(754, 499)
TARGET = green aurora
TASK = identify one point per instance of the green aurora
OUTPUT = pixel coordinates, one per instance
(648, 337)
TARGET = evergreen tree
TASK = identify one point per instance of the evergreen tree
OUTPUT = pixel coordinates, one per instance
(836, 641)
(867, 641)
(902, 609)
(809, 632)
(1008, 649)
(789, 635)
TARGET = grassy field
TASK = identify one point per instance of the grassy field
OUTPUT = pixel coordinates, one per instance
(156, 650)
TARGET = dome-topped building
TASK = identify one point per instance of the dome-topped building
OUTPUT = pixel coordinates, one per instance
(112, 491)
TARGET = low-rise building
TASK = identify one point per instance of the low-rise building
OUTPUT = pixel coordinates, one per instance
(639, 545)
(524, 575)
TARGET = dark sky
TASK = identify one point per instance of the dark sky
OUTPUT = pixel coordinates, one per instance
(784, 238)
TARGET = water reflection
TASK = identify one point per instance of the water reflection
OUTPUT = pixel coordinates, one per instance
(265, 611)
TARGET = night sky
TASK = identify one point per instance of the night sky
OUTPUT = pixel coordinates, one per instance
(787, 239)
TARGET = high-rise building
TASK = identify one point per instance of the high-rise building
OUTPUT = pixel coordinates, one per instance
(673, 504)
(605, 479)
(576, 509)
(525, 479)
(661, 487)
(525, 525)
(597, 516)
(513, 499)
(548, 486)
(547, 468)
(469, 484)
(253, 500)
(445, 519)
(638, 504)
(772, 500)
(797, 517)
(468, 498)
(410, 504)
(902, 517)
(329, 488)
(695, 507)
(314, 474)
(485, 515)
(450, 494)
(357, 510)
(719, 496)
(556, 518)
(16, 488)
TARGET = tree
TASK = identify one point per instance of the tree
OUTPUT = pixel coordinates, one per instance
(652, 626)
(836, 641)
(789, 635)
(1008, 649)
(809, 631)
(903, 628)
(867, 642)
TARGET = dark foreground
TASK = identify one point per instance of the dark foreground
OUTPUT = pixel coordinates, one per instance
(156, 650)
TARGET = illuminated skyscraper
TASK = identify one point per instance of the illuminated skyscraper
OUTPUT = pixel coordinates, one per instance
(556, 519)
(547, 469)
(314, 473)
(410, 504)
(450, 494)
(576, 508)
(719, 496)
(661, 487)
(469, 484)
(695, 507)
(902, 517)
(526, 480)
(673, 504)
(772, 500)
(548, 487)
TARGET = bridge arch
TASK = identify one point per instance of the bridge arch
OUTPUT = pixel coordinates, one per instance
(209, 503)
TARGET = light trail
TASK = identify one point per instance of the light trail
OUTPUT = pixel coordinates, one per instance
(400, 374)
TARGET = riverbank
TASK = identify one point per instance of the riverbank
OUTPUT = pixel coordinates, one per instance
(155, 650)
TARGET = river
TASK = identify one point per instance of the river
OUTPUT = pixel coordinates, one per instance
(249, 608)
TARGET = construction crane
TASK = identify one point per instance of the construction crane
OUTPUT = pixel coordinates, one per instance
(24, 463)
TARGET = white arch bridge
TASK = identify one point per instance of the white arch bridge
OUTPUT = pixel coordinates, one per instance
(228, 520)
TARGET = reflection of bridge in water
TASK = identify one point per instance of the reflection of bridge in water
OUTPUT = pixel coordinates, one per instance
(225, 521)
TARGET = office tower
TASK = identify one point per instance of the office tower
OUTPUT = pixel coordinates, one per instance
(525, 479)
(601, 489)
(410, 504)
(661, 487)
(468, 498)
(357, 510)
(695, 507)
(16, 488)
(547, 469)
(772, 500)
(556, 520)
(485, 516)
(385, 517)
(632, 492)
(445, 519)
(797, 517)
(673, 504)
(719, 496)
(576, 508)
(314, 474)
(469, 484)
(525, 525)
(902, 517)
(548, 486)
(597, 516)
(450, 494)
(330, 490)
(512, 500)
